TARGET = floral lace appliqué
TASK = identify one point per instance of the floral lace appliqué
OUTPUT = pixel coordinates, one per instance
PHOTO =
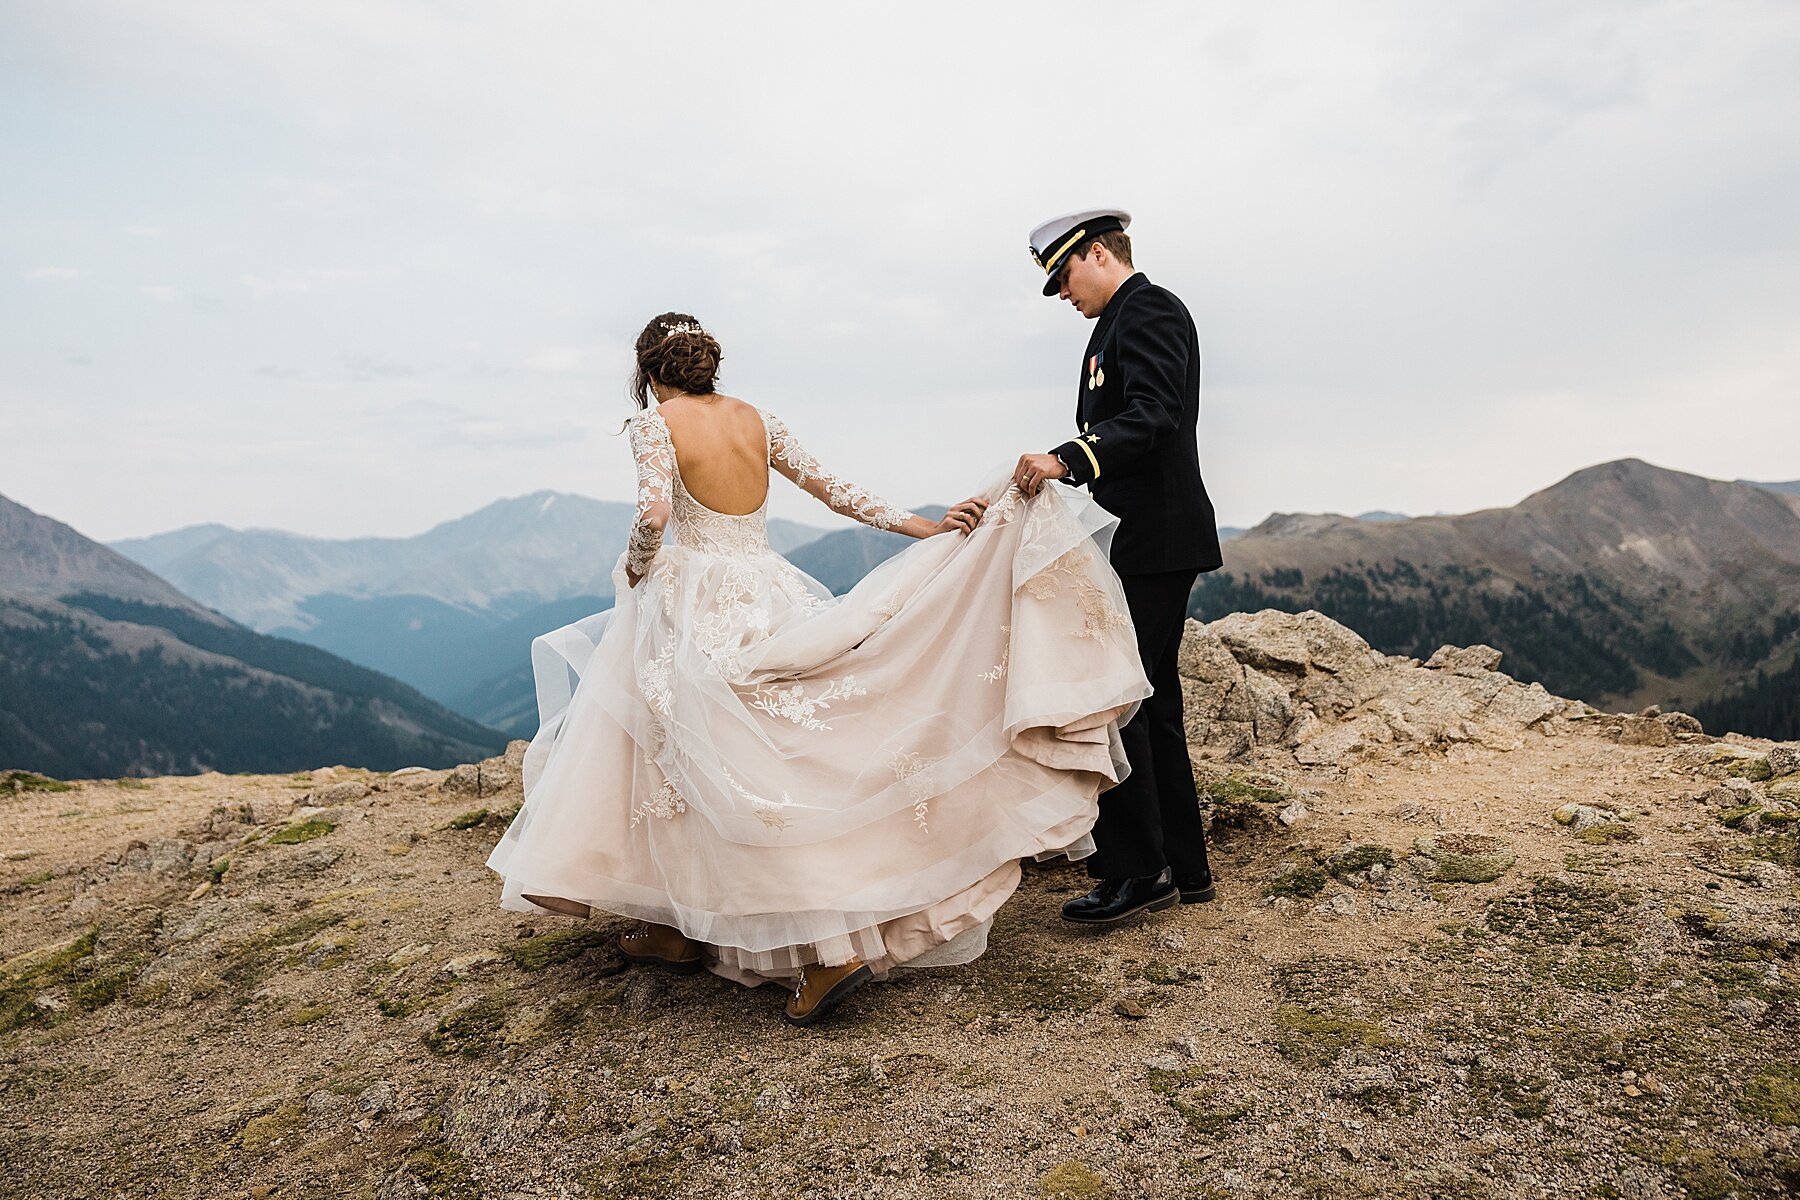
(838, 493)
(770, 812)
(997, 672)
(656, 679)
(1005, 507)
(655, 455)
(663, 804)
(913, 771)
(795, 705)
(1097, 611)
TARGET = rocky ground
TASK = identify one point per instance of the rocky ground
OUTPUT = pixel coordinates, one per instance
(1471, 940)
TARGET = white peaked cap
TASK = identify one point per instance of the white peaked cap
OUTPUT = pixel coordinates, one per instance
(1055, 239)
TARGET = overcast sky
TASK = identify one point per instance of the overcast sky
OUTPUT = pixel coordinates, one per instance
(357, 268)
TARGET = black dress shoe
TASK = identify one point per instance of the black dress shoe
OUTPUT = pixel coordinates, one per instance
(1116, 900)
(1198, 891)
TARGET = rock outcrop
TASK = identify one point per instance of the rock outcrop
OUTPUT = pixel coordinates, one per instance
(1303, 686)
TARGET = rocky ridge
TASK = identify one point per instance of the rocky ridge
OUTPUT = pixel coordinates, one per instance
(1473, 939)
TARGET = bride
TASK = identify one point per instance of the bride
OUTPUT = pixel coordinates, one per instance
(786, 785)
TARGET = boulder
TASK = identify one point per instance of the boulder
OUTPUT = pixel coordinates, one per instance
(347, 792)
(1583, 816)
(1680, 723)
(276, 867)
(1304, 683)
(1294, 642)
(1784, 759)
(1205, 657)
(1645, 731)
(1464, 660)
(163, 856)
(490, 776)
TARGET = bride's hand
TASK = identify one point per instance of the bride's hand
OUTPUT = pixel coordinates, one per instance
(962, 518)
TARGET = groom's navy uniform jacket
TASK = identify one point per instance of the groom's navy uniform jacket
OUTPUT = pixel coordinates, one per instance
(1139, 414)
(1139, 454)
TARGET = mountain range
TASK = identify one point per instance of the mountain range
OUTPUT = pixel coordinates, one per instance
(1624, 584)
(106, 669)
(450, 611)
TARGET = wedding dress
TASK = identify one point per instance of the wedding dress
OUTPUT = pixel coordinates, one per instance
(792, 777)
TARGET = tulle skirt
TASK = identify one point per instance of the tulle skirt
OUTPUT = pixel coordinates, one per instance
(792, 777)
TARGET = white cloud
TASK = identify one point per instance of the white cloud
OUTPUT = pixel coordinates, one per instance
(555, 360)
(365, 367)
(264, 288)
(161, 293)
(51, 273)
(1399, 227)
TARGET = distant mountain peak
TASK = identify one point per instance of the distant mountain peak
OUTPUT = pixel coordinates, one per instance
(48, 560)
(1299, 524)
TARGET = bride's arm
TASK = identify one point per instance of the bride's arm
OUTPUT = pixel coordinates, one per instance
(788, 456)
(655, 455)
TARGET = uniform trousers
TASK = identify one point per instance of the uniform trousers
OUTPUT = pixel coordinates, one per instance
(1152, 820)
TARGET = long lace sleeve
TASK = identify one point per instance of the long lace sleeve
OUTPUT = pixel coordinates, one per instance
(655, 455)
(788, 456)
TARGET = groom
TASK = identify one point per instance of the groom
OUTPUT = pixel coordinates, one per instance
(1137, 407)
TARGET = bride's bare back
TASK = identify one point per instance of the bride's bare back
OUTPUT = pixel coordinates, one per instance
(721, 451)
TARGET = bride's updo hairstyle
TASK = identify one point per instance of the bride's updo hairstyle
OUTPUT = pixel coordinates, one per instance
(676, 352)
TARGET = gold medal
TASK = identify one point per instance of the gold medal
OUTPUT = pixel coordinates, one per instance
(1090, 383)
(1100, 378)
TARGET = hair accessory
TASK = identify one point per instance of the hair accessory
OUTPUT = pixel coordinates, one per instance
(681, 327)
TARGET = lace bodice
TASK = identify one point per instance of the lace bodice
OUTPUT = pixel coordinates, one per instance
(662, 497)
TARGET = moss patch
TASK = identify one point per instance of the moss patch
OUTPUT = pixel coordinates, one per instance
(1561, 912)
(1782, 849)
(12, 783)
(62, 964)
(442, 1170)
(1774, 1095)
(1073, 1181)
(1237, 800)
(1018, 978)
(264, 1133)
(471, 1031)
(1600, 972)
(1315, 1039)
(301, 831)
(548, 949)
(1755, 768)
(256, 957)
(470, 819)
(1466, 857)
(1731, 818)
(1301, 883)
(1527, 1096)
(1358, 859)
(1318, 979)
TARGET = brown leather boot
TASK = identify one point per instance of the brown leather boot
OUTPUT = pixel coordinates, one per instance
(661, 946)
(568, 908)
(821, 989)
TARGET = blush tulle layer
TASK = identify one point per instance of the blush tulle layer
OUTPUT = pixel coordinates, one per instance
(792, 777)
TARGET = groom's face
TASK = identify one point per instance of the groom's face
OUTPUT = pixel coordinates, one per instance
(1082, 283)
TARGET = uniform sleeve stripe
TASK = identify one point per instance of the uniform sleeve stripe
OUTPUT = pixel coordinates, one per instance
(1088, 450)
